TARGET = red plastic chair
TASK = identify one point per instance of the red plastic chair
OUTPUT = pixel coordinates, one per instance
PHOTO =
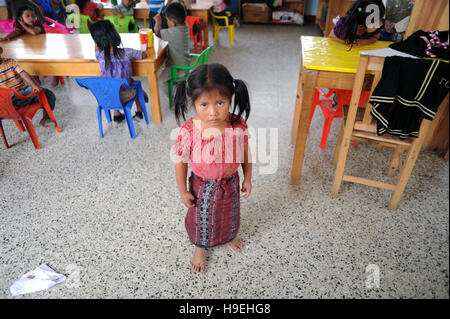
(330, 113)
(23, 115)
(195, 36)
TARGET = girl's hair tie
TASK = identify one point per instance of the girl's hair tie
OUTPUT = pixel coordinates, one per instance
(359, 9)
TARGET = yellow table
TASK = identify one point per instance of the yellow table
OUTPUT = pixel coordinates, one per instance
(328, 64)
(74, 55)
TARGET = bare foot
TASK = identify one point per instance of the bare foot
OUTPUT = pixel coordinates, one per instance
(235, 245)
(198, 262)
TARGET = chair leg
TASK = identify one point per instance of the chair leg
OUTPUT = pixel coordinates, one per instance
(395, 162)
(3, 135)
(130, 123)
(47, 108)
(99, 119)
(410, 161)
(216, 34)
(32, 132)
(143, 106)
(19, 125)
(326, 131)
(338, 143)
(195, 38)
(230, 35)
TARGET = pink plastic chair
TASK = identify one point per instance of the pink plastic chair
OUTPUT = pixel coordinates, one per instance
(7, 26)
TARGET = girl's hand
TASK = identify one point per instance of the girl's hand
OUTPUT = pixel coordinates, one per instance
(144, 55)
(246, 187)
(188, 199)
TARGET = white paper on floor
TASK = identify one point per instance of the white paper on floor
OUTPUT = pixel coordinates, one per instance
(41, 278)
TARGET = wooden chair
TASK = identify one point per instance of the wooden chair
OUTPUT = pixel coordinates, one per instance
(360, 127)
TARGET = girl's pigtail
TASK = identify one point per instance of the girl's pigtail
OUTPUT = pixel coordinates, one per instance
(180, 101)
(241, 100)
(351, 25)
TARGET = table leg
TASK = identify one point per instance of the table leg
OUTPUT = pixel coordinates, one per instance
(310, 80)
(298, 104)
(154, 95)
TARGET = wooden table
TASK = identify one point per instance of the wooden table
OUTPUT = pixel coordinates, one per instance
(199, 9)
(74, 55)
(328, 64)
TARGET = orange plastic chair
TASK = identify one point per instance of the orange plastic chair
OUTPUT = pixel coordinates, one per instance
(23, 115)
(329, 112)
(195, 36)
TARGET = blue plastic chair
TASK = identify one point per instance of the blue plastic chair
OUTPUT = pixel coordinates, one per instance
(106, 92)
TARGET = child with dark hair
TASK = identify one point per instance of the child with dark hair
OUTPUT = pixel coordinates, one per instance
(89, 8)
(361, 25)
(219, 9)
(215, 143)
(26, 22)
(12, 76)
(115, 61)
(177, 35)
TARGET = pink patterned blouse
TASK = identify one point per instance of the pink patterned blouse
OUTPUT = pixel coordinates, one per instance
(212, 158)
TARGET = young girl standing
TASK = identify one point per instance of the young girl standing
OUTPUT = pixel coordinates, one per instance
(353, 29)
(215, 143)
(115, 61)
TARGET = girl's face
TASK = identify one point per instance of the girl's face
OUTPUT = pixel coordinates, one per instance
(29, 17)
(212, 109)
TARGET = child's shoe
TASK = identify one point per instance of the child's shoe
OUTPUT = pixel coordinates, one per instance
(46, 122)
(119, 118)
(138, 115)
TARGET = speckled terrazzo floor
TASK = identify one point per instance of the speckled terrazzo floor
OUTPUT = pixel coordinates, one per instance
(106, 212)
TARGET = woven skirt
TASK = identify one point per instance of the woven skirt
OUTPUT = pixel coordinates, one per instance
(214, 219)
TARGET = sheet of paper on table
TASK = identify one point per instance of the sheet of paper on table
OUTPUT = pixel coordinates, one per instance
(388, 52)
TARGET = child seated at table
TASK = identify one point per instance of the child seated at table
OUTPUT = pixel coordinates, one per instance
(89, 8)
(177, 36)
(115, 61)
(219, 9)
(126, 8)
(161, 14)
(354, 30)
(27, 22)
(13, 76)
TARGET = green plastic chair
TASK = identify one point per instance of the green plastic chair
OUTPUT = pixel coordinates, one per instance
(80, 21)
(175, 77)
(123, 24)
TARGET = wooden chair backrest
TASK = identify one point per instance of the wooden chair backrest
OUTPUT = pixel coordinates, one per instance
(366, 63)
